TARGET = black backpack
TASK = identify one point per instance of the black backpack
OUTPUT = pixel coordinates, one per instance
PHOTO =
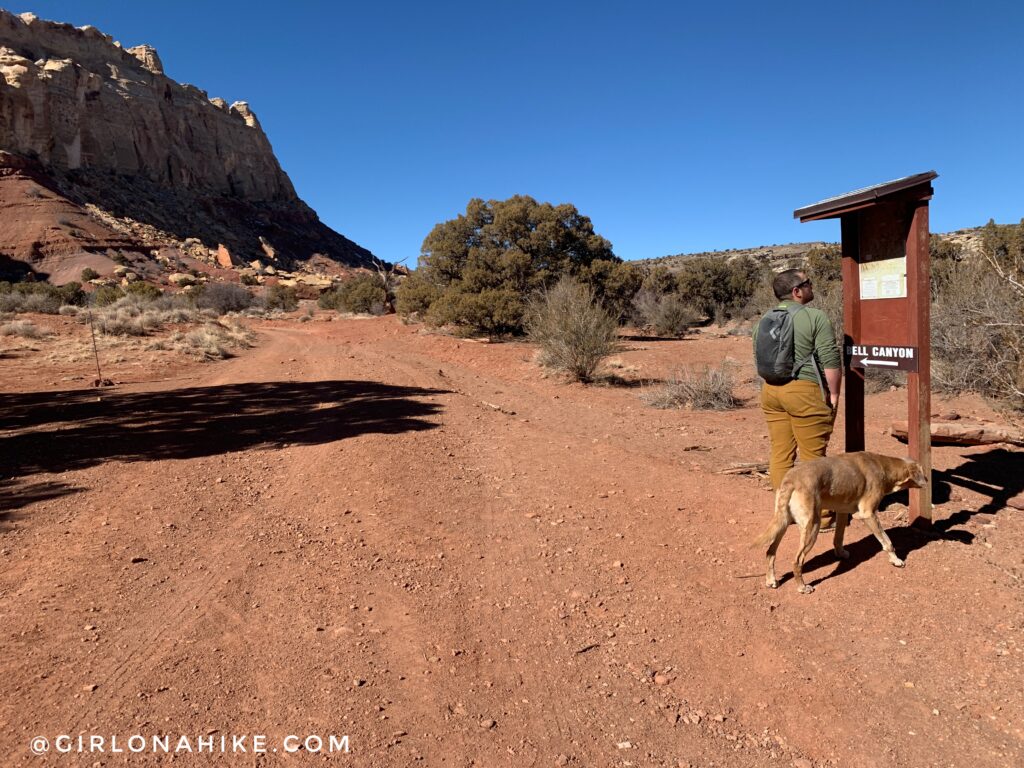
(773, 348)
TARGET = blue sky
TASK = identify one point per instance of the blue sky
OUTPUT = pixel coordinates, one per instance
(675, 127)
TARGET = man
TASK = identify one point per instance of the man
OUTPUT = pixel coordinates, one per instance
(798, 414)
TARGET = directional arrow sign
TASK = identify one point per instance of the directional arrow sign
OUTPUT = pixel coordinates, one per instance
(881, 356)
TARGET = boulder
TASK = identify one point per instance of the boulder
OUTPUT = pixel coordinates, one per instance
(224, 257)
(182, 279)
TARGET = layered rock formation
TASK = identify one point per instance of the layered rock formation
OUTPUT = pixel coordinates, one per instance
(110, 129)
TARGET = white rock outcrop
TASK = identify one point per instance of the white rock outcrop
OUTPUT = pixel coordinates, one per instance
(73, 98)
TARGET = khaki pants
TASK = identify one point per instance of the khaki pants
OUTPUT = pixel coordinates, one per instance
(797, 417)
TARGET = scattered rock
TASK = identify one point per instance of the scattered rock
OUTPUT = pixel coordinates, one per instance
(181, 279)
(224, 257)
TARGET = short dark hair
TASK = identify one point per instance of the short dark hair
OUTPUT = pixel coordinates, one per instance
(786, 281)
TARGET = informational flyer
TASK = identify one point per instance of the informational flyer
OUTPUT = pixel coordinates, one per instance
(885, 279)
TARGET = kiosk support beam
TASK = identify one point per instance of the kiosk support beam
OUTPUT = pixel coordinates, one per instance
(919, 383)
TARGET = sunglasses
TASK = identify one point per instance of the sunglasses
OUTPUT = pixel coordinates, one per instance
(805, 284)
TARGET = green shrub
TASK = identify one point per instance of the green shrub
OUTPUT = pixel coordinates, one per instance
(143, 291)
(659, 281)
(490, 311)
(712, 284)
(38, 297)
(574, 332)
(824, 264)
(666, 314)
(941, 249)
(330, 299)
(282, 297)
(615, 283)
(106, 294)
(364, 293)
(484, 261)
(415, 294)
(224, 297)
(89, 274)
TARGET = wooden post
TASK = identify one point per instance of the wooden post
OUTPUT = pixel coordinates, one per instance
(919, 382)
(854, 384)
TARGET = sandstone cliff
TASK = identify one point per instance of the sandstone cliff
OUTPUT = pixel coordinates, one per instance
(103, 126)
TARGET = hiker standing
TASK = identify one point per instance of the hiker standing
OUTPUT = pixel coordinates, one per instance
(796, 354)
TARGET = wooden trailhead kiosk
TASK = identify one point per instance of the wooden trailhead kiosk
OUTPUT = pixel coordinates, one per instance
(886, 298)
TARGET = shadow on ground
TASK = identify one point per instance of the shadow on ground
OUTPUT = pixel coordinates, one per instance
(59, 431)
(15, 494)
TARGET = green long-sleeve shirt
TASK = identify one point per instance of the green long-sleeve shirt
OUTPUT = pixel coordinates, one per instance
(811, 330)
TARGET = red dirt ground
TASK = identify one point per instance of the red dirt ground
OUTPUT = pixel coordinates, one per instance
(423, 543)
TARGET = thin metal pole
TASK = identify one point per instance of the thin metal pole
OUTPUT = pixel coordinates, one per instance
(95, 351)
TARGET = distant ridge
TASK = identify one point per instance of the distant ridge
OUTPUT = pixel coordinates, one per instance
(779, 256)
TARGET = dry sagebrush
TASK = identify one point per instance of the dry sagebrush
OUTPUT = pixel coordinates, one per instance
(574, 332)
(25, 329)
(709, 389)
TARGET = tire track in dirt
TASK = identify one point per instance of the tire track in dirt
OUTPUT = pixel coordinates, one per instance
(547, 692)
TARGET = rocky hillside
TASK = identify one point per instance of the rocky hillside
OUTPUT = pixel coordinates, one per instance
(102, 152)
(792, 254)
(776, 255)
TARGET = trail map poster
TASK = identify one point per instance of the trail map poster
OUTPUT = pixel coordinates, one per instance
(885, 279)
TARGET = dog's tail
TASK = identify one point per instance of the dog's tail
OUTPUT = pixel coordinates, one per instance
(780, 520)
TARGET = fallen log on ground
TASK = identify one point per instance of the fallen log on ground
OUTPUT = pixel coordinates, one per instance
(753, 468)
(944, 433)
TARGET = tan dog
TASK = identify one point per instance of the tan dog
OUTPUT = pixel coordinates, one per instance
(854, 483)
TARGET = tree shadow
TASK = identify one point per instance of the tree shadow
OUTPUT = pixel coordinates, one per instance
(14, 495)
(642, 337)
(996, 474)
(616, 381)
(60, 431)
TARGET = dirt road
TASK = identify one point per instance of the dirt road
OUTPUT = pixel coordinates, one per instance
(358, 529)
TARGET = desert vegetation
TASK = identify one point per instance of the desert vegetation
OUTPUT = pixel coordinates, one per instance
(978, 319)
(203, 323)
(365, 293)
(571, 328)
(977, 314)
(39, 297)
(708, 388)
(477, 271)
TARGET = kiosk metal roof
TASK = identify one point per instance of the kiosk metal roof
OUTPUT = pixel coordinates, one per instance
(861, 198)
